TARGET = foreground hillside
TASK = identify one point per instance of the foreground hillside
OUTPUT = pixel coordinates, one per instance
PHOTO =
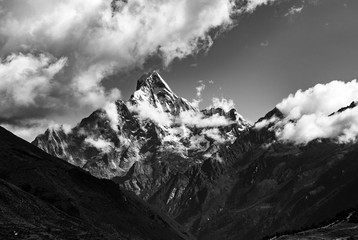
(43, 197)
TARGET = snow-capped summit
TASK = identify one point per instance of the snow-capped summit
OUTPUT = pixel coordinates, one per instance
(152, 80)
(152, 89)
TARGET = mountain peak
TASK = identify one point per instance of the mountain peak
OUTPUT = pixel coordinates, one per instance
(152, 89)
(152, 80)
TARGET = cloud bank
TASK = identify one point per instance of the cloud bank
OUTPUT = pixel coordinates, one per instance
(145, 111)
(308, 114)
(27, 80)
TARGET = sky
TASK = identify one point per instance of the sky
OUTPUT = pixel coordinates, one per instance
(63, 59)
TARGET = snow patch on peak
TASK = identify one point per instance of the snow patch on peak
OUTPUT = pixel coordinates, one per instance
(153, 90)
(153, 80)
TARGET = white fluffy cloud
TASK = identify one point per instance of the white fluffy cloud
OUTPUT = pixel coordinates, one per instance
(320, 99)
(294, 10)
(197, 119)
(223, 103)
(253, 4)
(342, 127)
(199, 89)
(308, 113)
(214, 133)
(112, 113)
(146, 111)
(100, 144)
(27, 80)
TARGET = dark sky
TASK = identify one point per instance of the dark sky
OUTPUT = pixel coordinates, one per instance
(269, 55)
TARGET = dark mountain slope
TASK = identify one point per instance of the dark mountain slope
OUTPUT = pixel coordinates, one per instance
(280, 186)
(46, 197)
(24, 216)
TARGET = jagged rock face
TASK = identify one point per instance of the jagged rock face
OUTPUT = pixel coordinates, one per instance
(140, 153)
(94, 145)
(152, 89)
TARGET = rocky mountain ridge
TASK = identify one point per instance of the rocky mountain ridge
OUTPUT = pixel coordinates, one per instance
(236, 182)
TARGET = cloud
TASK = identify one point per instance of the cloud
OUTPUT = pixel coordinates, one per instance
(294, 10)
(214, 133)
(146, 111)
(197, 119)
(199, 89)
(253, 4)
(265, 44)
(100, 144)
(27, 80)
(307, 114)
(320, 99)
(266, 122)
(342, 127)
(223, 103)
(112, 113)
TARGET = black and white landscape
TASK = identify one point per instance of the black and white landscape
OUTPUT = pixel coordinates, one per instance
(189, 119)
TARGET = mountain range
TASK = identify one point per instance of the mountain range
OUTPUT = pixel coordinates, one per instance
(213, 172)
